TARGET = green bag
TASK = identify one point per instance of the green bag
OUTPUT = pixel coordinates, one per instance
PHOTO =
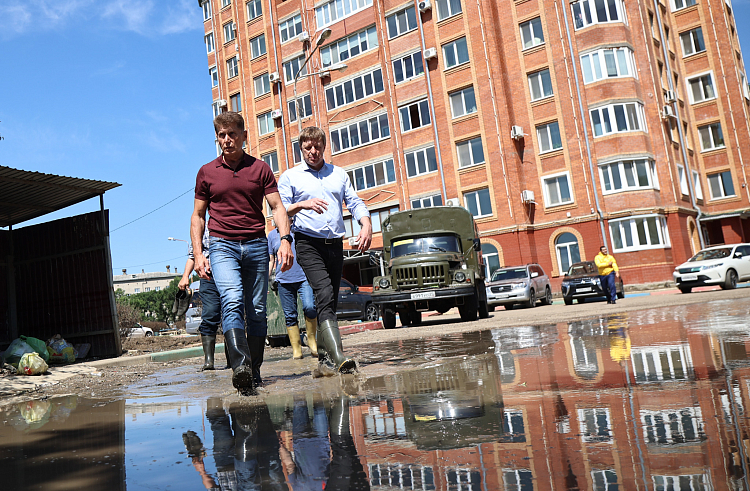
(38, 345)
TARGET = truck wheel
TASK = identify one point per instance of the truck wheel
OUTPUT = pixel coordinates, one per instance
(568, 301)
(531, 303)
(484, 311)
(415, 318)
(389, 319)
(547, 300)
(730, 281)
(468, 310)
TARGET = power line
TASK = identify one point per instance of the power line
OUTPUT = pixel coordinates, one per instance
(152, 211)
(151, 264)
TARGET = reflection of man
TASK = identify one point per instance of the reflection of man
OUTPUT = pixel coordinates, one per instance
(314, 194)
(608, 271)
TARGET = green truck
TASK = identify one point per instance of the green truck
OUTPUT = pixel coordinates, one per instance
(431, 260)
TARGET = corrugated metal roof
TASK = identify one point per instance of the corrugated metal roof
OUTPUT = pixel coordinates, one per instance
(25, 194)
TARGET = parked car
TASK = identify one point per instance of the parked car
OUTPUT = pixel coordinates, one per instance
(721, 265)
(355, 304)
(582, 282)
(140, 331)
(524, 285)
(193, 314)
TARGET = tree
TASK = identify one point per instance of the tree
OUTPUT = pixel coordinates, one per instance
(152, 305)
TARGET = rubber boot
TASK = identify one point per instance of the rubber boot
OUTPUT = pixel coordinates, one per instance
(331, 337)
(295, 341)
(235, 343)
(339, 423)
(311, 327)
(257, 344)
(209, 346)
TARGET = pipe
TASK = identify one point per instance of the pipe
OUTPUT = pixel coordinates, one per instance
(281, 102)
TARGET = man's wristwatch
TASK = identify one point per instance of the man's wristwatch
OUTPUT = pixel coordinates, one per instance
(287, 238)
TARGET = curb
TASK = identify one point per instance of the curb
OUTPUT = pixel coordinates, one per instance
(361, 327)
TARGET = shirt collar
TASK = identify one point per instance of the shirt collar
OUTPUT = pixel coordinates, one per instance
(325, 166)
(244, 162)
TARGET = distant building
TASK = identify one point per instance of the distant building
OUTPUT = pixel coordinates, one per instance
(143, 282)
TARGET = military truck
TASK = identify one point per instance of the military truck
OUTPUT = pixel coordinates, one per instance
(431, 261)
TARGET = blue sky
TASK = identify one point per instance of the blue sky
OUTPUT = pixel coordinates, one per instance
(118, 90)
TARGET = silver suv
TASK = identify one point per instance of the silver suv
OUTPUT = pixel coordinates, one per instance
(523, 285)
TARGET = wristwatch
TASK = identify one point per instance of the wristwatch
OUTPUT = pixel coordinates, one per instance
(287, 238)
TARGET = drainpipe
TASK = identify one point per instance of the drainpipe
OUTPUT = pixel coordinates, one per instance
(281, 103)
(594, 176)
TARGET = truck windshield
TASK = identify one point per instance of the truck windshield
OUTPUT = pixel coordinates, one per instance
(438, 243)
(509, 274)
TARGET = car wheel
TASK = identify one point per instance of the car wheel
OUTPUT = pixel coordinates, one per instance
(531, 303)
(389, 319)
(149, 334)
(580, 300)
(547, 300)
(491, 308)
(730, 282)
(568, 301)
(686, 289)
(371, 313)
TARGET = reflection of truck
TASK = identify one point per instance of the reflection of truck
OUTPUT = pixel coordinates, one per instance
(431, 261)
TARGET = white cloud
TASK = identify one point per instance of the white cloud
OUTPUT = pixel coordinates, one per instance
(135, 15)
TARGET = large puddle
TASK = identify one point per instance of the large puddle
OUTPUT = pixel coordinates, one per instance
(651, 401)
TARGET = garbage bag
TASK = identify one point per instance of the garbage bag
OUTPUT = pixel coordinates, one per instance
(32, 364)
(16, 350)
(61, 351)
(38, 345)
(35, 413)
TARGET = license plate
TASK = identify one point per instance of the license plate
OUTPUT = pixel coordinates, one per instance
(690, 277)
(419, 296)
(585, 289)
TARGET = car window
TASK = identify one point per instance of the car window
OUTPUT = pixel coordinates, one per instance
(712, 254)
(509, 274)
(745, 250)
(345, 287)
(582, 268)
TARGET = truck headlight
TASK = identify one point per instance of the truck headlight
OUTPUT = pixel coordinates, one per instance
(459, 277)
(384, 283)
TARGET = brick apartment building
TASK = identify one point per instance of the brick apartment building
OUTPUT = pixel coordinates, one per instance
(560, 125)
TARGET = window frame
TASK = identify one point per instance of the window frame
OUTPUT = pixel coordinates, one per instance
(265, 158)
(207, 10)
(596, 62)
(456, 53)
(556, 177)
(266, 117)
(294, 109)
(235, 98)
(589, 16)
(368, 123)
(421, 201)
(607, 176)
(420, 105)
(531, 23)
(475, 195)
(430, 164)
(611, 119)
(401, 60)
(692, 39)
(333, 51)
(233, 67)
(323, 17)
(299, 59)
(208, 39)
(721, 183)
(447, 4)
(469, 144)
(538, 76)
(257, 10)
(675, 8)
(547, 128)
(461, 94)
(265, 84)
(337, 91)
(231, 29)
(213, 74)
(388, 170)
(260, 38)
(711, 134)
(701, 79)
(407, 19)
(288, 25)
(631, 224)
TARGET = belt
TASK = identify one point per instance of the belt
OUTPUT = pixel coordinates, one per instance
(335, 240)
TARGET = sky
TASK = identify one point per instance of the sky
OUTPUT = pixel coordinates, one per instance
(118, 91)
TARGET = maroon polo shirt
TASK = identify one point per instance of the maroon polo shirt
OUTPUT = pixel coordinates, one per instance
(235, 197)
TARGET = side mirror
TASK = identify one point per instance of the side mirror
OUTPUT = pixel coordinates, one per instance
(534, 274)
(374, 258)
(738, 254)
(477, 245)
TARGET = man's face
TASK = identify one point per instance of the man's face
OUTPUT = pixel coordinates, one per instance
(604, 250)
(312, 153)
(230, 140)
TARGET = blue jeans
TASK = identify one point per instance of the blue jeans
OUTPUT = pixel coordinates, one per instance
(211, 311)
(240, 271)
(608, 285)
(288, 298)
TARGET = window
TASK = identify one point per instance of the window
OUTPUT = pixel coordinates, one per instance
(296, 152)
(518, 480)
(414, 115)
(408, 67)
(692, 42)
(147, 289)
(385, 475)
(349, 47)
(216, 108)
(470, 152)
(628, 175)
(420, 162)
(427, 202)
(645, 232)
(557, 190)
(683, 4)
(372, 175)
(605, 480)
(588, 12)
(258, 46)
(463, 102)
(531, 33)
(235, 102)
(491, 263)
(595, 424)
(232, 68)
(566, 247)
(683, 481)
(225, 3)
(291, 68)
(137, 290)
(549, 137)
(209, 39)
(711, 136)
(157, 288)
(701, 88)
(672, 426)
(272, 159)
(697, 185)
(254, 9)
(618, 118)
(378, 217)
(721, 185)
(206, 6)
(401, 22)
(654, 364)
(455, 53)
(290, 28)
(230, 32)
(448, 8)
(745, 86)
(213, 73)
(607, 63)
(265, 124)
(360, 133)
(478, 203)
(540, 85)
(335, 10)
(303, 108)
(355, 89)
(262, 85)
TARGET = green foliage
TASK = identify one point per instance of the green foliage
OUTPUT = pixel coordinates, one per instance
(152, 305)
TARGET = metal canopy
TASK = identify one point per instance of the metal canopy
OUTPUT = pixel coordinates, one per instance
(25, 195)
(731, 214)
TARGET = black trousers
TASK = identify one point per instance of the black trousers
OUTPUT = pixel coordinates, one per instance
(322, 263)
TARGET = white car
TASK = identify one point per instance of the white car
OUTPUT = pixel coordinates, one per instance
(720, 265)
(140, 331)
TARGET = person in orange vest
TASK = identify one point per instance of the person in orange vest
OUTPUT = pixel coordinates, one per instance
(608, 271)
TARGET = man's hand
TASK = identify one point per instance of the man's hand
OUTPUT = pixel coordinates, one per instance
(617, 274)
(317, 205)
(364, 238)
(184, 283)
(187, 272)
(202, 266)
(285, 256)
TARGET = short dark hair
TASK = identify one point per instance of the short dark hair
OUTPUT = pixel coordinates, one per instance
(229, 118)
(312, 133)
(602, 247)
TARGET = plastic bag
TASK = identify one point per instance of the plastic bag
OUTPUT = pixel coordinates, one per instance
(61, 351)
(16, 350)
(38, 345)
(32, 364)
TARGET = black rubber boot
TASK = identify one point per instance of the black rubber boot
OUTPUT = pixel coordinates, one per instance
(257, 344)
(242, 363)
(328, 333)
(209, 346)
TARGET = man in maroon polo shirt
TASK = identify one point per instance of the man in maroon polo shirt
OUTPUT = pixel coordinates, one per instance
(233, 187)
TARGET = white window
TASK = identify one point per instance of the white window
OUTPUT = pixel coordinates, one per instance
(566, 248)
(230, 32)
(478, 203)
(491, 263)
(216, 109)
(531, 33)
(711, 136)
(517, 479)
(463, 102)
(206, 6)
(209, 39)
(549, 137)
(408, 67)
(415, 115)
(595, 424)
(290, 28)
(372, 175)
(455, 53)
(428, 202)
(377, 218)
(355, 89)
(420, 161)
(745, 86)
(672, 426)
(683, 481)
(335, 10)
(349, 47)
(137, 290)
(157, 288)
(272, 159)
(470, 152)
(147, 289)
(214, 75)
(401, 22)
(258, 46)
(296, 152)
(654, 364)
(588, 12)
(628, 175)
(291, 68)
(684, 190)
(557, 190)
(720, 185)
(262, 85)
(360, 133)
(448, 8)
(618, 118)
(608, 63)
(697, 185)
(682, 4)
(692, 42)
(265, 124)
(605, 480)
(225, 3)
(232, 67)
(701, 88)
(235, 102)
(540, 85)
(302, 107)
(638, 233)
(254, 9)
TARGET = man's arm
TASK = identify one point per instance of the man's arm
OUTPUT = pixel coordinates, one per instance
(614, 266)
(185, 280)
(197, 227)
(284, 255)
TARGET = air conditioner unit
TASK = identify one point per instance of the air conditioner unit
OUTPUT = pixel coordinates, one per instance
(353, 241)
(276, 113)
(669, 96)
(516, 132)
(274, 77)
(303, 36)
(527, 196)
(424, 6)
(222, 103)
(430, 53)
(667, 112)
(452, 202)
